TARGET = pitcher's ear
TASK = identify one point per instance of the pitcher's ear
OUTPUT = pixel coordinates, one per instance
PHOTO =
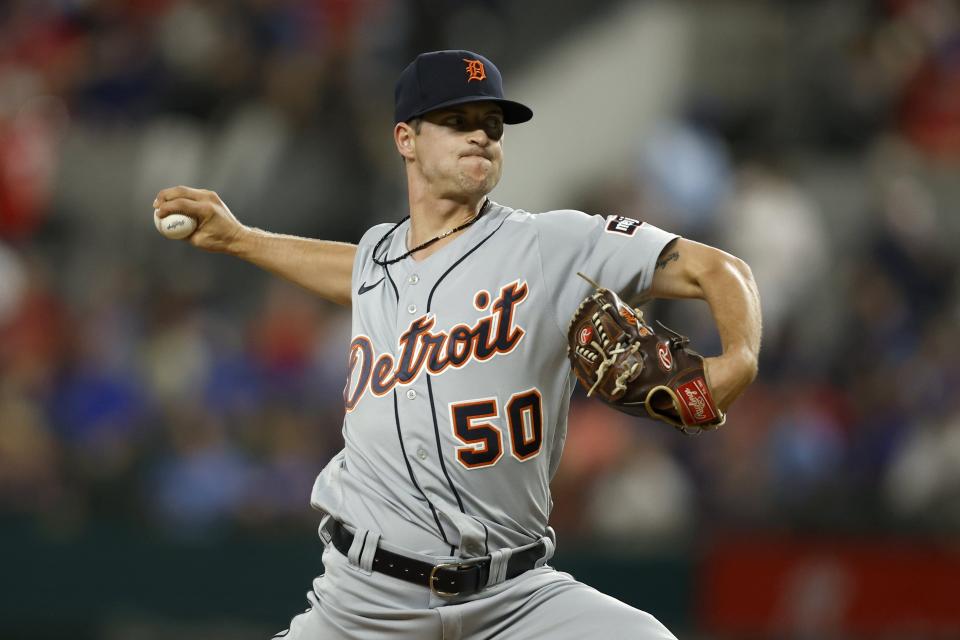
(404, 135)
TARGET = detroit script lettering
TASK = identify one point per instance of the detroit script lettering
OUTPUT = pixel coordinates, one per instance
(420, 348)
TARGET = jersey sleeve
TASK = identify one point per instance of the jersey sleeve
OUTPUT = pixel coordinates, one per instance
(365, 247)
(619, 253)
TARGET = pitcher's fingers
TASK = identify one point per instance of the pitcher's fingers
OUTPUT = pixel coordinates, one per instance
(183, 205)
(172, 193)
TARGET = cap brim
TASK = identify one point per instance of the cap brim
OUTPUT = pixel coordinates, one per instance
(513, 112)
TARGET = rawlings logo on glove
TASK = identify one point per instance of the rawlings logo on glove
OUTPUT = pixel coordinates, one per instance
(616, 355)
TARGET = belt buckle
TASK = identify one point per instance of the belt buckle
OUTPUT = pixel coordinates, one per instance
(434, 577)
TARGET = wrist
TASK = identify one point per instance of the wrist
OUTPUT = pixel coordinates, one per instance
(244, 242)
(743, 361)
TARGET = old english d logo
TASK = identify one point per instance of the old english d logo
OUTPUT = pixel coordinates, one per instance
(475, 70)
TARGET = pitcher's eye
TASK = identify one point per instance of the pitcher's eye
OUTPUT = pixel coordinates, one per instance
(494, 128)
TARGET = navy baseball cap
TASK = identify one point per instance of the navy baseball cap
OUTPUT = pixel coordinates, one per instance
(441, 79)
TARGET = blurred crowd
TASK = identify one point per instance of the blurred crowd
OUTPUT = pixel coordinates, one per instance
(143, 382)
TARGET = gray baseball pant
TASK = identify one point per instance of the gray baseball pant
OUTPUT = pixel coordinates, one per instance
(350, 603)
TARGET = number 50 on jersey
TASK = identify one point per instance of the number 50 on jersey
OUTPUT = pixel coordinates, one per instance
(483, 440)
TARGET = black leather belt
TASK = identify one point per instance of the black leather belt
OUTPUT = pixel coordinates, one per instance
(444, 579)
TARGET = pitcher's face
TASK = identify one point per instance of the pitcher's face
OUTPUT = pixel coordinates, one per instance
(459, 150)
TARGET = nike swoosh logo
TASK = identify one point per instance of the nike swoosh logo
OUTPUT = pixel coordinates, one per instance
(365, 287)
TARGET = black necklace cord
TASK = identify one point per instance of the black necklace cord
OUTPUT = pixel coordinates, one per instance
(387, 263)
(384, 263)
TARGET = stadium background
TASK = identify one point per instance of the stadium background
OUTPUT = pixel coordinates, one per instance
(164, 411)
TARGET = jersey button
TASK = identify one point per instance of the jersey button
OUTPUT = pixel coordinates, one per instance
(412, 308)
(414, 279)
(411, 394)
(422, 453)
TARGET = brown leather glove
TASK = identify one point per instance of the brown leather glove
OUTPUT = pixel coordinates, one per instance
(637, 370)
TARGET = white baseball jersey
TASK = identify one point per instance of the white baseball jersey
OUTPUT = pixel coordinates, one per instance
(458, 386)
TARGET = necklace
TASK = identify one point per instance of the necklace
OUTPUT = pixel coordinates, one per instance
(387, 263)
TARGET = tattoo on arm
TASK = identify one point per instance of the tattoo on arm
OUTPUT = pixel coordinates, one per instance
(663, 262)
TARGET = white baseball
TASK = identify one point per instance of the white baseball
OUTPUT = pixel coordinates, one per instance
(175, 226)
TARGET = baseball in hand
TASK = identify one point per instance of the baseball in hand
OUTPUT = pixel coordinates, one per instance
(175, 226)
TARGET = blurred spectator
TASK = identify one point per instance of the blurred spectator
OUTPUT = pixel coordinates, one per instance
(596, 436)
(646, 498)
(688, 171)
(808, 443)
(31, 461)
(291, 450)
(777, 228)
(930, 102)
(13, 276)
(735, 472)
(203, 480)
(922, 485)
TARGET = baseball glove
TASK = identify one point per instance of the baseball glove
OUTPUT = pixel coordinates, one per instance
(637, 370)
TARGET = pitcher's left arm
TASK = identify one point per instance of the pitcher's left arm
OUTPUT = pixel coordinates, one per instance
(688, 269)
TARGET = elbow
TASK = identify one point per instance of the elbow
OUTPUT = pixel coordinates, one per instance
(738, 266)
(726, 266)
(743, 273)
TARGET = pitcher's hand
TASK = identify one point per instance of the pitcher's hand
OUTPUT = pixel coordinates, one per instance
(218, 229)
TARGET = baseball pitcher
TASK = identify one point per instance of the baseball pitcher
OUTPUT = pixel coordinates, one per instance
(435, 513)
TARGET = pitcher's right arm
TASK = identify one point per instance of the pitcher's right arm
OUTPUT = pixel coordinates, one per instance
(320, 266)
